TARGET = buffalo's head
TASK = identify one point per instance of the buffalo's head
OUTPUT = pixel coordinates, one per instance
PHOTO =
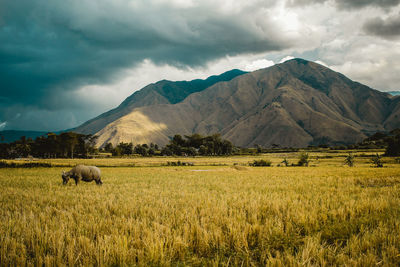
(65, 176)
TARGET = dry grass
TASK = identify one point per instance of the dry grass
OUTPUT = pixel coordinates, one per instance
(223, 216)
(324, 159)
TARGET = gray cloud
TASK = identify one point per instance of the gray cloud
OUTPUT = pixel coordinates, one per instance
(388, 29)
(48, 47)
(354, 4)
(346, 4)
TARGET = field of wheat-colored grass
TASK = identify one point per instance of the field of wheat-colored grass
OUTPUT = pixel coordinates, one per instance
(203, 215)
(318, 159)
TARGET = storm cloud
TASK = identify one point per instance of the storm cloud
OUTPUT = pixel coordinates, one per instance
(389, 28)
(346, 4)
(61, 43)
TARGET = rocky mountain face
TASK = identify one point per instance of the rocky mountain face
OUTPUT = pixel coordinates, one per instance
(162, 92)
(293, 104)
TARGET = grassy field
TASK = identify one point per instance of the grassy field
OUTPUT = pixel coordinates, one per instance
(154, 215)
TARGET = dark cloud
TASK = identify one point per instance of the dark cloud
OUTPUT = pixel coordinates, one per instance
(47, 47)
(347, 4)
(355, 4)
(388, 29)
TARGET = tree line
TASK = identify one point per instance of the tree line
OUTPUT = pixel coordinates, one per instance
(74, 145)
(188, 145)
(63, 145)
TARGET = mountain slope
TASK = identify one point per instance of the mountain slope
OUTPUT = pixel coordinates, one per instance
(162, 92)
(395, 93)
(295, 103)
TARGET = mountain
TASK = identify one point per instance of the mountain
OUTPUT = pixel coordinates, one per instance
(9, 136)
(162, 92)
(296, 103)
(394, 92)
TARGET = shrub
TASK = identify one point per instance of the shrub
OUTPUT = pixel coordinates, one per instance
(377, 161)
(261, 163)
(349, 160)
(285, 162)
(304, 159)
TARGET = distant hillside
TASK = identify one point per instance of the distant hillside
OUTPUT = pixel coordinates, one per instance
(9, 136)
(162, 92)
(394, 92)
(293, 104)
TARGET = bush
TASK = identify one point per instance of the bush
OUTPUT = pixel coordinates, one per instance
(304, 159)
(261, 163)
(377, 161)
(285, 162)
(179, 163)
(349, 160)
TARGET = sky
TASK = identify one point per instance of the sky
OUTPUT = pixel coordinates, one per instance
(63, 62)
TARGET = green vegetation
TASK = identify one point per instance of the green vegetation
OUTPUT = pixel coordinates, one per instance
(285, 162)
(349, 160)
(261, 163)
(209, 215)
(393, 147)
(304, 159)
(64, 145)
(189, 145)
(72, 145)
(377, 160)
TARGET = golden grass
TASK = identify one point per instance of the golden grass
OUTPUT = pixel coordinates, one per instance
(221, 215)
(327, 158)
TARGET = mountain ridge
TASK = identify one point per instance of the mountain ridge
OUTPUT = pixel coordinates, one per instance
(155, 93)
(295, 103)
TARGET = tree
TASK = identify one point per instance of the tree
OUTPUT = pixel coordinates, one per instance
(178, 140)
(23, 147)
(63, 145)
(141, 149)
(125, 148)
(191, 151)
(166, 151)
(194, 140)
(393, 148)
(89, 142)
(108, 148)
(227, 148)
(203, 150)
(69, 141)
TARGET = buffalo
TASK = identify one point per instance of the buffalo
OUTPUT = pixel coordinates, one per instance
(84, 173)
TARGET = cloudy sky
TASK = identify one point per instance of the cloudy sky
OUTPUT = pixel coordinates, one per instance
(63, 62)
